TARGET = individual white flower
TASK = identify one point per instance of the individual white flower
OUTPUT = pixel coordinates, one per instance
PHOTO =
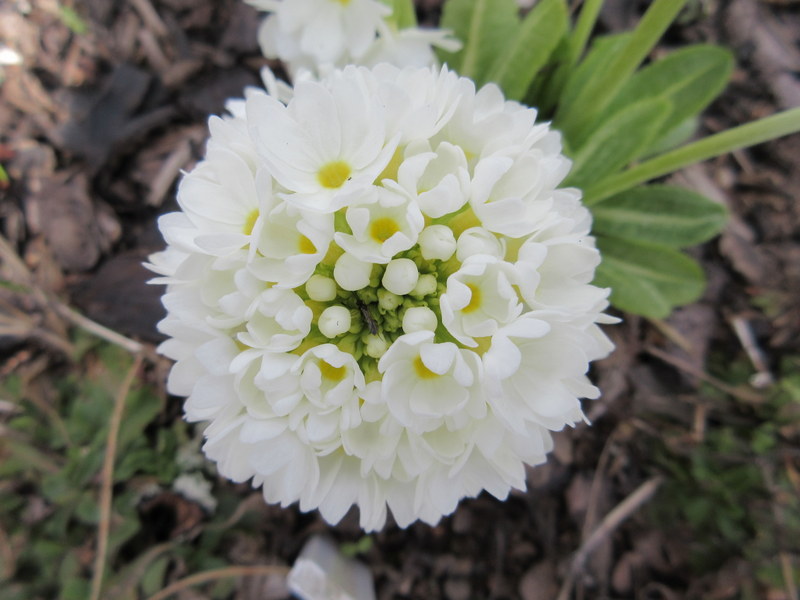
(326, 144)
(439, 179)
(382, 225)
(480, 297)
(377, 295)
(327, 30)
(425, 383)
(290, 242)
(279, 323)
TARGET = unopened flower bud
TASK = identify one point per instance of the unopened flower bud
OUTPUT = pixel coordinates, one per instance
(375, 346)
(387, 300)
(350, 273)
(437, 242)
(426, 285)
(334, 320)
(321, 288)
(477, 240)
(418, 318)
(401, 276)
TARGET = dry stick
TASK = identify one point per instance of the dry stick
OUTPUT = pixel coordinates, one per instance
(107, 478)
(7, 553)
(20, 274)
(100, 331)
(788, 576)
(609, 524)
(215, 574)
(682, 365)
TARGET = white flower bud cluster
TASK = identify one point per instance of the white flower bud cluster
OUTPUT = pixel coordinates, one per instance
(377, 295)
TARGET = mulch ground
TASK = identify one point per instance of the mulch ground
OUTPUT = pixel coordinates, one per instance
(95, 128)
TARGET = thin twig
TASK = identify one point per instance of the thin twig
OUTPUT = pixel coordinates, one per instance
(788, 576)
(7, 553)
(100, 331)
(744, 395)
(150, 17)
(107, 479)
(215, 574)
(741, 327)
(607, 526)
(21, 275)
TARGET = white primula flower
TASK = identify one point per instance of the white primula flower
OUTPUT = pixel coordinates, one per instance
(377, 296)
(326, 30)
(326, 145)
(480, 297)
(382, 225)
(319, 35)
(439, 179)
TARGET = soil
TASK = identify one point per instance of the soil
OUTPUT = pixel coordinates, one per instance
(95, 128)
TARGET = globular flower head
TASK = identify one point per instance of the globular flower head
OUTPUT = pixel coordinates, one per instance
(377, 296)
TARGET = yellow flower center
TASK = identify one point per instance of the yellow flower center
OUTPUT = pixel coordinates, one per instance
(331, 373)
(305, 245)
(382, 229)
(475, 300)
(250, 222)
(422, 371)
(343, 2)
(334, 174)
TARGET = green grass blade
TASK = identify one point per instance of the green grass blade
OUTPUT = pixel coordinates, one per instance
(596, 97)
(750, 134)
(536, 38)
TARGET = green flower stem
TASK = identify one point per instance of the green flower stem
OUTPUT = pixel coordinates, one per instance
(595, 98)
(750, 134)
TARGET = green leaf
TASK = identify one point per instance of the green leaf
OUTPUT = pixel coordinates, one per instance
(403, 13)
(72, 20)
(689, 78)
(679, 134)
(594, 98)
(536, 39)
(617, 142)
(662, 214)
(142, 407)
(647, 279)
(592, 70)
(485, 27)
(153, 579)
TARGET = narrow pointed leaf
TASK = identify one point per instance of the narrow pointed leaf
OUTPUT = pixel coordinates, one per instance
(661, 214)
(617, 142)
(592, 70)
(485, 27)
(690, 78)
(536, 38)
(647, 279)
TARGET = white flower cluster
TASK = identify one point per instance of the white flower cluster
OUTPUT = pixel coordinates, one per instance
(377, 296)
(317, 36)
